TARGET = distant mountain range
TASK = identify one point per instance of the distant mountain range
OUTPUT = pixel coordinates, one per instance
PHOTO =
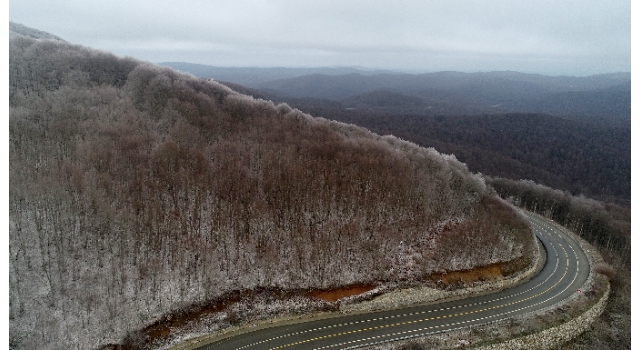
(253, 76)
(613, 102)
(570, 133)
(604, 98)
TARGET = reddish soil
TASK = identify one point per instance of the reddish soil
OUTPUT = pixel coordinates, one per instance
(467, 277)
(174, 321)
(341, 292)
(457, 278)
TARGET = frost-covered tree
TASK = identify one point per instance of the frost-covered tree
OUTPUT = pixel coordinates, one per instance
(136, 190)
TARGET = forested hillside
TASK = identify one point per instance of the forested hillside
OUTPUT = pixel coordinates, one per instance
(608, 227)
(585, 158)
(582, 144)
(136, 190)
(582, 158)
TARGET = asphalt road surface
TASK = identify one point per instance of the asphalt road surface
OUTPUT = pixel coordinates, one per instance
(565, 272)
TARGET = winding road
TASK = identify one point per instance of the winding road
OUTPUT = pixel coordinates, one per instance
(565, 271)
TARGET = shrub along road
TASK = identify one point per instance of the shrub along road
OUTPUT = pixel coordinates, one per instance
(564, 273)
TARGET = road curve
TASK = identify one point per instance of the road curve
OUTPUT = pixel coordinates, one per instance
(565, 271)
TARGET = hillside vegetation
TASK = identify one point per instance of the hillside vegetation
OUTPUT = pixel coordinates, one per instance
(587, 151)
(606, 226)
(582, 158)
(136, 190)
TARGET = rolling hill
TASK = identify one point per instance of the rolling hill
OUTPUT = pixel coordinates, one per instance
(137, 191)
(251, 76)
(584, 153)
(601, 98)
(582, 158)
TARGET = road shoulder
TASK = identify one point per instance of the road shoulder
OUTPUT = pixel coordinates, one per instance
(394, 299)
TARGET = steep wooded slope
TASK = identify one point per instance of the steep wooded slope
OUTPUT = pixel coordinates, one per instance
(136, 190)
(583, 158)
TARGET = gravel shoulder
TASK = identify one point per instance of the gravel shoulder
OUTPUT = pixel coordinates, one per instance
(384, 297)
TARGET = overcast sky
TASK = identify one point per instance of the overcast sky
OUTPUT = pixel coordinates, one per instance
(554, 37)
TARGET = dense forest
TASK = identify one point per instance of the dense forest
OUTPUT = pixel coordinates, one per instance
(606, 226)
(570, 133)
(136, 190)
(581, 158)
(591, 159)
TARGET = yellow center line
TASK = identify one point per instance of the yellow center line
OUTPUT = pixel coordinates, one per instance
(417, 321)
(566, 270)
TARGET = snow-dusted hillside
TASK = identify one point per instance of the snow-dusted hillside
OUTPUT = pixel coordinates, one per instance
(136, 190)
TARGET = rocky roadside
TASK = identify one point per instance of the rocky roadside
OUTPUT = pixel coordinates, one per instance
(383, 297)
(406, 297)
(540, 330)
(553, 337)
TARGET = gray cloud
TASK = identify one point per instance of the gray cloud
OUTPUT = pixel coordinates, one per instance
(542, 36)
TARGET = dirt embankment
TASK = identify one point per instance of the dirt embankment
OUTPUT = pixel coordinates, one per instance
(448, 280)
(239, 307)
(335, 294)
